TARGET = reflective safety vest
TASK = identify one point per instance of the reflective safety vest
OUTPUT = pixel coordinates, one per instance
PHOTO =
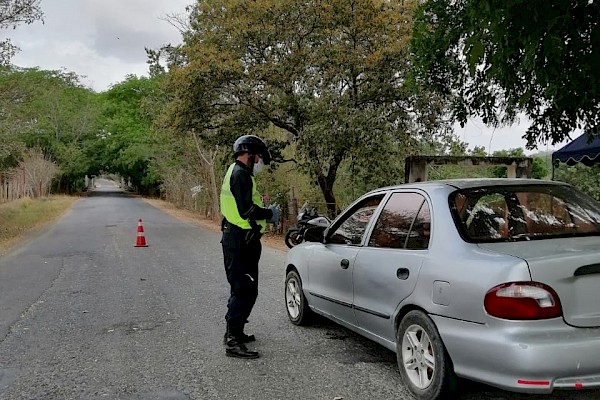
(229, 206)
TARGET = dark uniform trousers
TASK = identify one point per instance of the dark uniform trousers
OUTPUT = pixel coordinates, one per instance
(241, 258)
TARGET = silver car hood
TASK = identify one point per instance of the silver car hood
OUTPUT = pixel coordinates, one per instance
(570, 266)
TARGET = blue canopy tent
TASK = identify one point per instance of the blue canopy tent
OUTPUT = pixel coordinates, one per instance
(585, 150)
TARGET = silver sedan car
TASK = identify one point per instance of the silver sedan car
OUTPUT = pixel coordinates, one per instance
(493, 280)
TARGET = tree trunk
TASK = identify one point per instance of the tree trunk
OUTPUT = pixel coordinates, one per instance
(216, 214)
(209, 161)
(328, 195)
(326, 182)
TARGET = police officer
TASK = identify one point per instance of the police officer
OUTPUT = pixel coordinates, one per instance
(244, 221)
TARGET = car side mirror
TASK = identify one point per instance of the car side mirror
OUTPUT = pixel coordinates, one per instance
(315, 234)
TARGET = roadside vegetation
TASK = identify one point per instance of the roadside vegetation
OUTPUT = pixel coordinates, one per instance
(343, 91)
(19, 217)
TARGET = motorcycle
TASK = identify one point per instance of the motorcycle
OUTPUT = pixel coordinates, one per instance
(307, 219)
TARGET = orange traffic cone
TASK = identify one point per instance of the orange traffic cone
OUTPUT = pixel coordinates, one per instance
(141, 240)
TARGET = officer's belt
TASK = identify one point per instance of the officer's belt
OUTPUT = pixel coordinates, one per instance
(228, 226)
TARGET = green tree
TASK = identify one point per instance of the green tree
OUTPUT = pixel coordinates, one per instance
(127, 141)
(12, 14)
(498, 58)
(49, 110)
(11, 144)
(333, 76)
(587, 179)
(539, 170)
(479, 151)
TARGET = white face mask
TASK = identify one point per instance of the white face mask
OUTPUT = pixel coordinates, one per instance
(258, 166)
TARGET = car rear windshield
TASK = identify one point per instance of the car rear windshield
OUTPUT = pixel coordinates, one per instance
(526, 212)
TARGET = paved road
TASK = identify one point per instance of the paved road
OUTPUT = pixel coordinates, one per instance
(86, 315)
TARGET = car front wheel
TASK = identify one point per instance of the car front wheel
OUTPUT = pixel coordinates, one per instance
(297, 308)
(425, 366)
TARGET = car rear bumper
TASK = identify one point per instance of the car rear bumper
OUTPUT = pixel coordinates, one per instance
(530, 357)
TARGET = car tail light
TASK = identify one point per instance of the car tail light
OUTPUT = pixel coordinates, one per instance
(522, 301)
(532, 383)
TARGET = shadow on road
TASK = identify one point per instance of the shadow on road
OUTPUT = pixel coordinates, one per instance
(364, 350)
(469, 390)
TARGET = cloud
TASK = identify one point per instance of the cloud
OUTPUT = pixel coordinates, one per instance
(476, 133)
(103, 40)
(123, 31)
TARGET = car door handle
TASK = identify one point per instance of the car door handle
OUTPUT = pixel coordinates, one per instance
(402, 273)
(344, 263)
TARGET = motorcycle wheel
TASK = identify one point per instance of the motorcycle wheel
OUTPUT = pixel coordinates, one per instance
(293, 237)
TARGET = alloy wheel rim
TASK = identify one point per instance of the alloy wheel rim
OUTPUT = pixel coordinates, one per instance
(292, 298)
(418, 356)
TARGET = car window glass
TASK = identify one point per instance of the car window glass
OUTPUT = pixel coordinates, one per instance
(487, 218)
(352, 229)
(394, 224)
(418, 239)
(546, 214)
(524, 212)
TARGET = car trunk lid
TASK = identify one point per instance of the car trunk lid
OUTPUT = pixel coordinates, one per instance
(571, 266)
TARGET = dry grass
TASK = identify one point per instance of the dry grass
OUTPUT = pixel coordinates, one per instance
(19, 217)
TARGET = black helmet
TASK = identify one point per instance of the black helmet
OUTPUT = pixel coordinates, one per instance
(253, 145)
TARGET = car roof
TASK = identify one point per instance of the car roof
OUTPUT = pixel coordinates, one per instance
(467, 183)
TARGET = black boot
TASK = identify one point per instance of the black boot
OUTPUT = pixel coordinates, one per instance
(234, 348)
(247, 338)
(242, 339)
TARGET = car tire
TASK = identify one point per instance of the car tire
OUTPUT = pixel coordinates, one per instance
(425, 366)
(296, 305)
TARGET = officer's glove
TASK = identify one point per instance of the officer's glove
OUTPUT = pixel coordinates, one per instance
(275, 218)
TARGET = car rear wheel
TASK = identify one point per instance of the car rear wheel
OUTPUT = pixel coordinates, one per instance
(297, 308)
(425, 366)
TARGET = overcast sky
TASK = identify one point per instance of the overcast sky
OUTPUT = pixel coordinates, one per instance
(104, 40)
(475, 133)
